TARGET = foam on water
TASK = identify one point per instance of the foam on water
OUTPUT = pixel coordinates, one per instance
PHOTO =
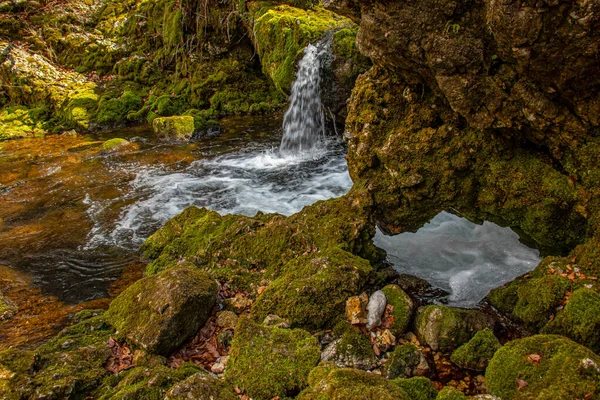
(466, 259)
(239, 183)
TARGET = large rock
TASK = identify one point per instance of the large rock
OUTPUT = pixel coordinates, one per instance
(477, 353)
(269, 362)
(444, 328)
(406, 361)
(160, 312)
(178, 128)
(403, 308)
(544, 367)
(351, 348)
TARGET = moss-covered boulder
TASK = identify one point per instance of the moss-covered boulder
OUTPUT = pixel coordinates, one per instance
(174, 128)
(477, 353)
(314, 288)
(351, 348)
(160, 312)
(579, 320)
(450, 393)
(417, 388)
(329, 382)
(143, 383)
(404, 362)
(444, 328)
(118, 145)
(269, 362)
(201, 386)
(70, 365)
(403, 308)
(538, 298)
(115, 110)
(544, 367)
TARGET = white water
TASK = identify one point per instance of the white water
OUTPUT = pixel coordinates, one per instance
(463, 258)
(304, 121)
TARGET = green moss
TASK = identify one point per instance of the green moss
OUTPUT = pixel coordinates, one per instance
(417, 388)
(69, 365)
(450, 393)
(402, 361)
(477, 353)
(314, 288)
(116, 110)
(270, 362)
(579, 320)
(7, 308)
(201, 386)
(403, 308)
(17, 122)
(145, 383)
(565, 370)
(180, 128)
(444, 328)
(162, 311)
(538, 299)
(329, 382)
(113, 145)
(281, 34)
(353, 349)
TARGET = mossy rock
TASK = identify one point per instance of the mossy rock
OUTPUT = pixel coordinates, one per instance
(118, 145)
(329, 382)
(403, 361)
(403, 308)
(538, 298)
(201, 386)
(70, 365)
(160, 312)
(115, 111)
(417, 388)
(178, 128)
(552, 366)
(142, 383)
(314, 288)
(269, 362)
(444, 328)
(352, 348)
(450, 393)
(477, 353)
(579, 320)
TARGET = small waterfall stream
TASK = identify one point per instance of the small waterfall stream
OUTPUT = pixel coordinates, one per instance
(304, 121)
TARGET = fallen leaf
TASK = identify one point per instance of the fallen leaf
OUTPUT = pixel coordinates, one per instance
(534, 358)
(237, 390)
(521, 384)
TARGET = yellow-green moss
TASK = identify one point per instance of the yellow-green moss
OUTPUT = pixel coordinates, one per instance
(180, 128)
(269, 362)
(450, 393)
(477, 353)
(201, 386)
(538, 298)
(329, 382)
(417, 388)
(403, 308)
(565, 370)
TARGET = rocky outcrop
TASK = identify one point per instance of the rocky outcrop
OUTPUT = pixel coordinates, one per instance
(160, 312)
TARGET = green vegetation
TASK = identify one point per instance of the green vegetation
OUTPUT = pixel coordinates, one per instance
(403, 308)
(477, 353)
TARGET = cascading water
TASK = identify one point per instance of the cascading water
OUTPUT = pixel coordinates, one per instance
(304, 121)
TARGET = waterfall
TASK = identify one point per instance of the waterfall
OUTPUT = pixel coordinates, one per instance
(304, 121)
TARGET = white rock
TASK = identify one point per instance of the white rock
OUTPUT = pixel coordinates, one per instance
(375, 309)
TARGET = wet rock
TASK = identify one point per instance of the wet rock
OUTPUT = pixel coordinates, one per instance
(174, 128)
(543, 367)
(352, 349)
(444, 328)
(210, 131)
(477, 353)
(356, 309)
(417, 388)
(227, 319)
(160, 312)
(375, 309)
(269, 361)
(406, 361)
(403, 308)
(329, 382)
(201, 386)
(118, 145)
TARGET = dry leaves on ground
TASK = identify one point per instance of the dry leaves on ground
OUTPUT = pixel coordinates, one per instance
(121, 357)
